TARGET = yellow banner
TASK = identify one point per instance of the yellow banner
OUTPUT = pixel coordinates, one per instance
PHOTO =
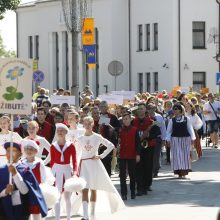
(91, 65)
(88, 31)
(35, 65)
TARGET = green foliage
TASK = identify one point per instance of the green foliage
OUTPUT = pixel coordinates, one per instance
(8, 5)
(4, 52)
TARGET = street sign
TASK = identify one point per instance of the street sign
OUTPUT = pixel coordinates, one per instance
(38, 76)
(90, 51)
(115, 68)
(218, 78)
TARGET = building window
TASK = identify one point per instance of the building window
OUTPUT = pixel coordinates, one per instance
(156, 81)
(140, 82)
(37, 47)
(30, 47)
(57, 59)
(147, 37)
(140, 37)
(199, 80)
(198, 35)
(67, 60)
(155, 36)
(148, 82)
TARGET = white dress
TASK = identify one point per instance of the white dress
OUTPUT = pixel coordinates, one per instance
(95, 173)
(7, 138)
(72, 136)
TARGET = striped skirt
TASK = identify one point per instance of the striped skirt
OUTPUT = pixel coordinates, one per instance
(180, 154)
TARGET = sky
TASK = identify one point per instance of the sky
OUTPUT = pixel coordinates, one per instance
(8, 29)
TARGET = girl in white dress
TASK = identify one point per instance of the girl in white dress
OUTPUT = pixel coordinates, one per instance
(32, 129)
(93, 171)
(5, 136)
(74, 132)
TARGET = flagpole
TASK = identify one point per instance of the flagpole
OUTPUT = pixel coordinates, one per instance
(11, 146)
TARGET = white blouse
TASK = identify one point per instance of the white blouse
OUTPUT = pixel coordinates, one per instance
(189, 128)
(195, 120)
(90, 145)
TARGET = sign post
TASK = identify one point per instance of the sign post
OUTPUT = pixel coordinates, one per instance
(15, 90)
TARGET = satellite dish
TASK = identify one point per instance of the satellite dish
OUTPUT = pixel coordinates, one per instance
(115, 68)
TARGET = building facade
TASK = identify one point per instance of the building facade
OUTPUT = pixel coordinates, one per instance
(161, 44)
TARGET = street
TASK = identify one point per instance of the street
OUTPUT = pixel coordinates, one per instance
(196, 198)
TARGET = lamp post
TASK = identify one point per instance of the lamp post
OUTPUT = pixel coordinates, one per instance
(74, 11)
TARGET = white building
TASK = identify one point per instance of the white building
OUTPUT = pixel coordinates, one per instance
(161, 43)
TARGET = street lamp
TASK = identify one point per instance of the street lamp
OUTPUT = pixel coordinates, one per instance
(74, 11)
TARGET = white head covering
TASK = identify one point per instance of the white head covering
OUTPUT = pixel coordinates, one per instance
(61, 125)
(30, 143)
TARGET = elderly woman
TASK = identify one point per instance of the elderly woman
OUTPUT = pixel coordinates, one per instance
(180, 137)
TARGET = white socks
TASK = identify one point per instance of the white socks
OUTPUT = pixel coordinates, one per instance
(85, 210)
(92, 208)
(36, 217)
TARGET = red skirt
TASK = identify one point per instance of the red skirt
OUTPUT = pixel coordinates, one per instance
(34, 209)
(197, 144)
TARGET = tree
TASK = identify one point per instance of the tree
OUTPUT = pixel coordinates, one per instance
(4, 52)
(8, 5)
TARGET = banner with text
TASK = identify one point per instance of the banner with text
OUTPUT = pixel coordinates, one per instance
(16, 85)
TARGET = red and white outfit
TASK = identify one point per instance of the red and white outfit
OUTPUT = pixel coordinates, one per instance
(44, 144)
(60, 162)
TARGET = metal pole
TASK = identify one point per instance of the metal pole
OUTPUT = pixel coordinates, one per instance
(75, 68)
(219, 33)
(179, 31)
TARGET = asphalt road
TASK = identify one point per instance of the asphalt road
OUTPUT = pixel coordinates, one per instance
(195, 198)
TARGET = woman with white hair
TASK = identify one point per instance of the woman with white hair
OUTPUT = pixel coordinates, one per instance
(93, 171)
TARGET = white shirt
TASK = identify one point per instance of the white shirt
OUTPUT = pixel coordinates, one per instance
(161, 122)
(195, 120)
(207, 107)
(90, 145)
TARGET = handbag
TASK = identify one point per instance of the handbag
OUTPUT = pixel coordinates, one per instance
(218, 118)
(193, 155)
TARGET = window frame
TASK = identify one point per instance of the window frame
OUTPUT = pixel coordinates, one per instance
(156, 37)
(148, 82)
(140, 83)
(140, 38)
(199, 82)
(156, 81)
(199, 31)
(148, 40)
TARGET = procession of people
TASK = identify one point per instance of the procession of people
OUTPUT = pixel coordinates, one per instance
(95, 141)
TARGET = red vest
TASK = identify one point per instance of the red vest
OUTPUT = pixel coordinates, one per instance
(36, 172)
(142, 124)
(128, 143)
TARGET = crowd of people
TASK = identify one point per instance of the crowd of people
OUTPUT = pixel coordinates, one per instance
(93, 142)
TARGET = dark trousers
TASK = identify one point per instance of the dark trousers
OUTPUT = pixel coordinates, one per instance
(168, 154)
(147, 156)
(107, 164)
(129, 165)
(157, 156)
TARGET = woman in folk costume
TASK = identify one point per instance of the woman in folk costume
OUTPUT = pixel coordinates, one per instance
(180, 137)
(62, 153)
(38, 168)
(93, 171)
(5, 137)
(32, 129)
(197, 124)
(74, 132)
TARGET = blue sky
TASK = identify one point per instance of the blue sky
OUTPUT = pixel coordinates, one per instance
(8, 29)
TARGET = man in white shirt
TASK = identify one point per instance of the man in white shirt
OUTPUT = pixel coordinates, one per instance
(211, 110)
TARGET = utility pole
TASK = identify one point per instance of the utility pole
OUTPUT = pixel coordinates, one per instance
(74, 11)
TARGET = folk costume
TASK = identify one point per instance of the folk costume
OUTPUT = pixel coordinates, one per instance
(180, 133)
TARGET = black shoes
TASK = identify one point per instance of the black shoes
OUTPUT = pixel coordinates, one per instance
(139, 194)
(149, 189)
(133, 196)
(124, 197)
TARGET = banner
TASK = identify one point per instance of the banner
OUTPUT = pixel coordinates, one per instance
(88, 31)
(16, 86)
(59, 100)
(90, 51)
(112, 99)
(127, 95)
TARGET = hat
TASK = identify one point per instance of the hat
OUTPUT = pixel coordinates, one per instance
(61, 125)
(30, 143)
(14, 144)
